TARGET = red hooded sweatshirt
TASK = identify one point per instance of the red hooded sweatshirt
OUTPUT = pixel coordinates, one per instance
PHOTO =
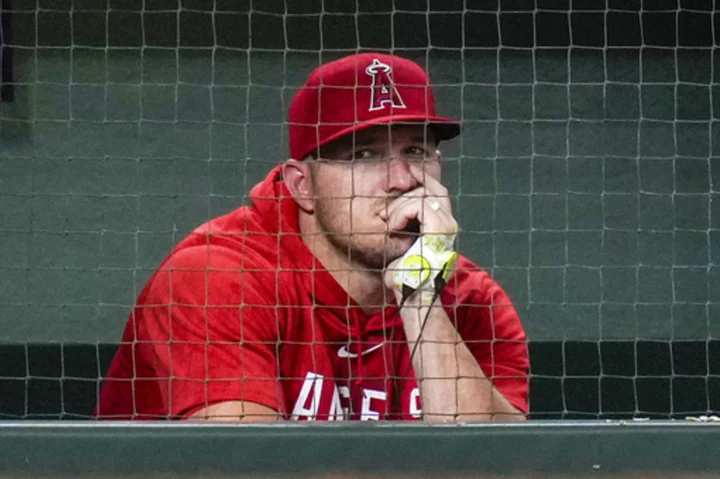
(242, 310)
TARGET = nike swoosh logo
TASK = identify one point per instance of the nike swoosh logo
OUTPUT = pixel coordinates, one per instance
(344, 353)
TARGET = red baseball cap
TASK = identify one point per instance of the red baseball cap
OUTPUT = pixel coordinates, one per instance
(359, 91)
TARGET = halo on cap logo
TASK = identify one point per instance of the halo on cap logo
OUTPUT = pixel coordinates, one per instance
(384, 91)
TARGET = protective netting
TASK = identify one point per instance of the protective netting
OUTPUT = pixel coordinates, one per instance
(585, 180)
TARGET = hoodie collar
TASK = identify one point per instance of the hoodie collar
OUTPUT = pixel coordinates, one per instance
(279, 214)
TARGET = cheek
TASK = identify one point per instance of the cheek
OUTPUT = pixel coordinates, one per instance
(369, 182)
(332, 186)
(333, 195)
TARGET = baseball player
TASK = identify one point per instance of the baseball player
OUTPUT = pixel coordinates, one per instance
(337, 294)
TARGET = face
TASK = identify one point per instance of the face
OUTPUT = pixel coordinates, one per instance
(354, 180)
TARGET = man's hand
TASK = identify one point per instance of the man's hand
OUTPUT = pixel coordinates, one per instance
(429, 204)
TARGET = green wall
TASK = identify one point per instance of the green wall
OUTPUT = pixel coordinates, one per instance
(584, 181)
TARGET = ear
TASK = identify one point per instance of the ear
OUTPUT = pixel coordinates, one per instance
(440, 164)
(298, 179)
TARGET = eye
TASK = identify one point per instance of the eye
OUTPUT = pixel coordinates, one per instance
(417, 152)
(364, 154)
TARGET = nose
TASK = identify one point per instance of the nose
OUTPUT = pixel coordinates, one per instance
(400, 177)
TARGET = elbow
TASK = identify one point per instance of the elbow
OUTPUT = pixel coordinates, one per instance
(515, 416)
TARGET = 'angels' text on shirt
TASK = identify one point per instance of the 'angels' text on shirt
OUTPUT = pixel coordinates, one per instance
(313, 399)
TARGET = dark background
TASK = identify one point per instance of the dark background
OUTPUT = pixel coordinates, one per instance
(586, 180)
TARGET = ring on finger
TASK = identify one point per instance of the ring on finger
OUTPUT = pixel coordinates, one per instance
(434, 205)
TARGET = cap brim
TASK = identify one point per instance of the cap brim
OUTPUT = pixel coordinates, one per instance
(444, 128)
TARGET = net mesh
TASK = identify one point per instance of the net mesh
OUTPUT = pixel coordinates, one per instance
(585, 181)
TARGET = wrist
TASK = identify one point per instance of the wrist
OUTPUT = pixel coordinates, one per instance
(421, 299)
(413, 314)
(421, 273)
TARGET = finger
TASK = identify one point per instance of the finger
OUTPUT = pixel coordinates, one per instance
(431, 221)
(402, 199)
(402, 215)
(424, 178)
(419, 194)
(432, 185)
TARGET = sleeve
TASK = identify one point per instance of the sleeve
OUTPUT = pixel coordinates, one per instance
(209, 331)
(491, 328)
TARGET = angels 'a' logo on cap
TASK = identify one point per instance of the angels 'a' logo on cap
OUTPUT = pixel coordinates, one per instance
(384, 91)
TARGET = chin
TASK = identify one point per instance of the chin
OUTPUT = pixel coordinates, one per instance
(398, 246)
(379, 256)
(380, 251)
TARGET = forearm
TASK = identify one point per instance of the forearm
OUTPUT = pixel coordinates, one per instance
(453, 387)
(236, 411)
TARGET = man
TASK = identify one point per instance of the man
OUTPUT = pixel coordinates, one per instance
(337, 294)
